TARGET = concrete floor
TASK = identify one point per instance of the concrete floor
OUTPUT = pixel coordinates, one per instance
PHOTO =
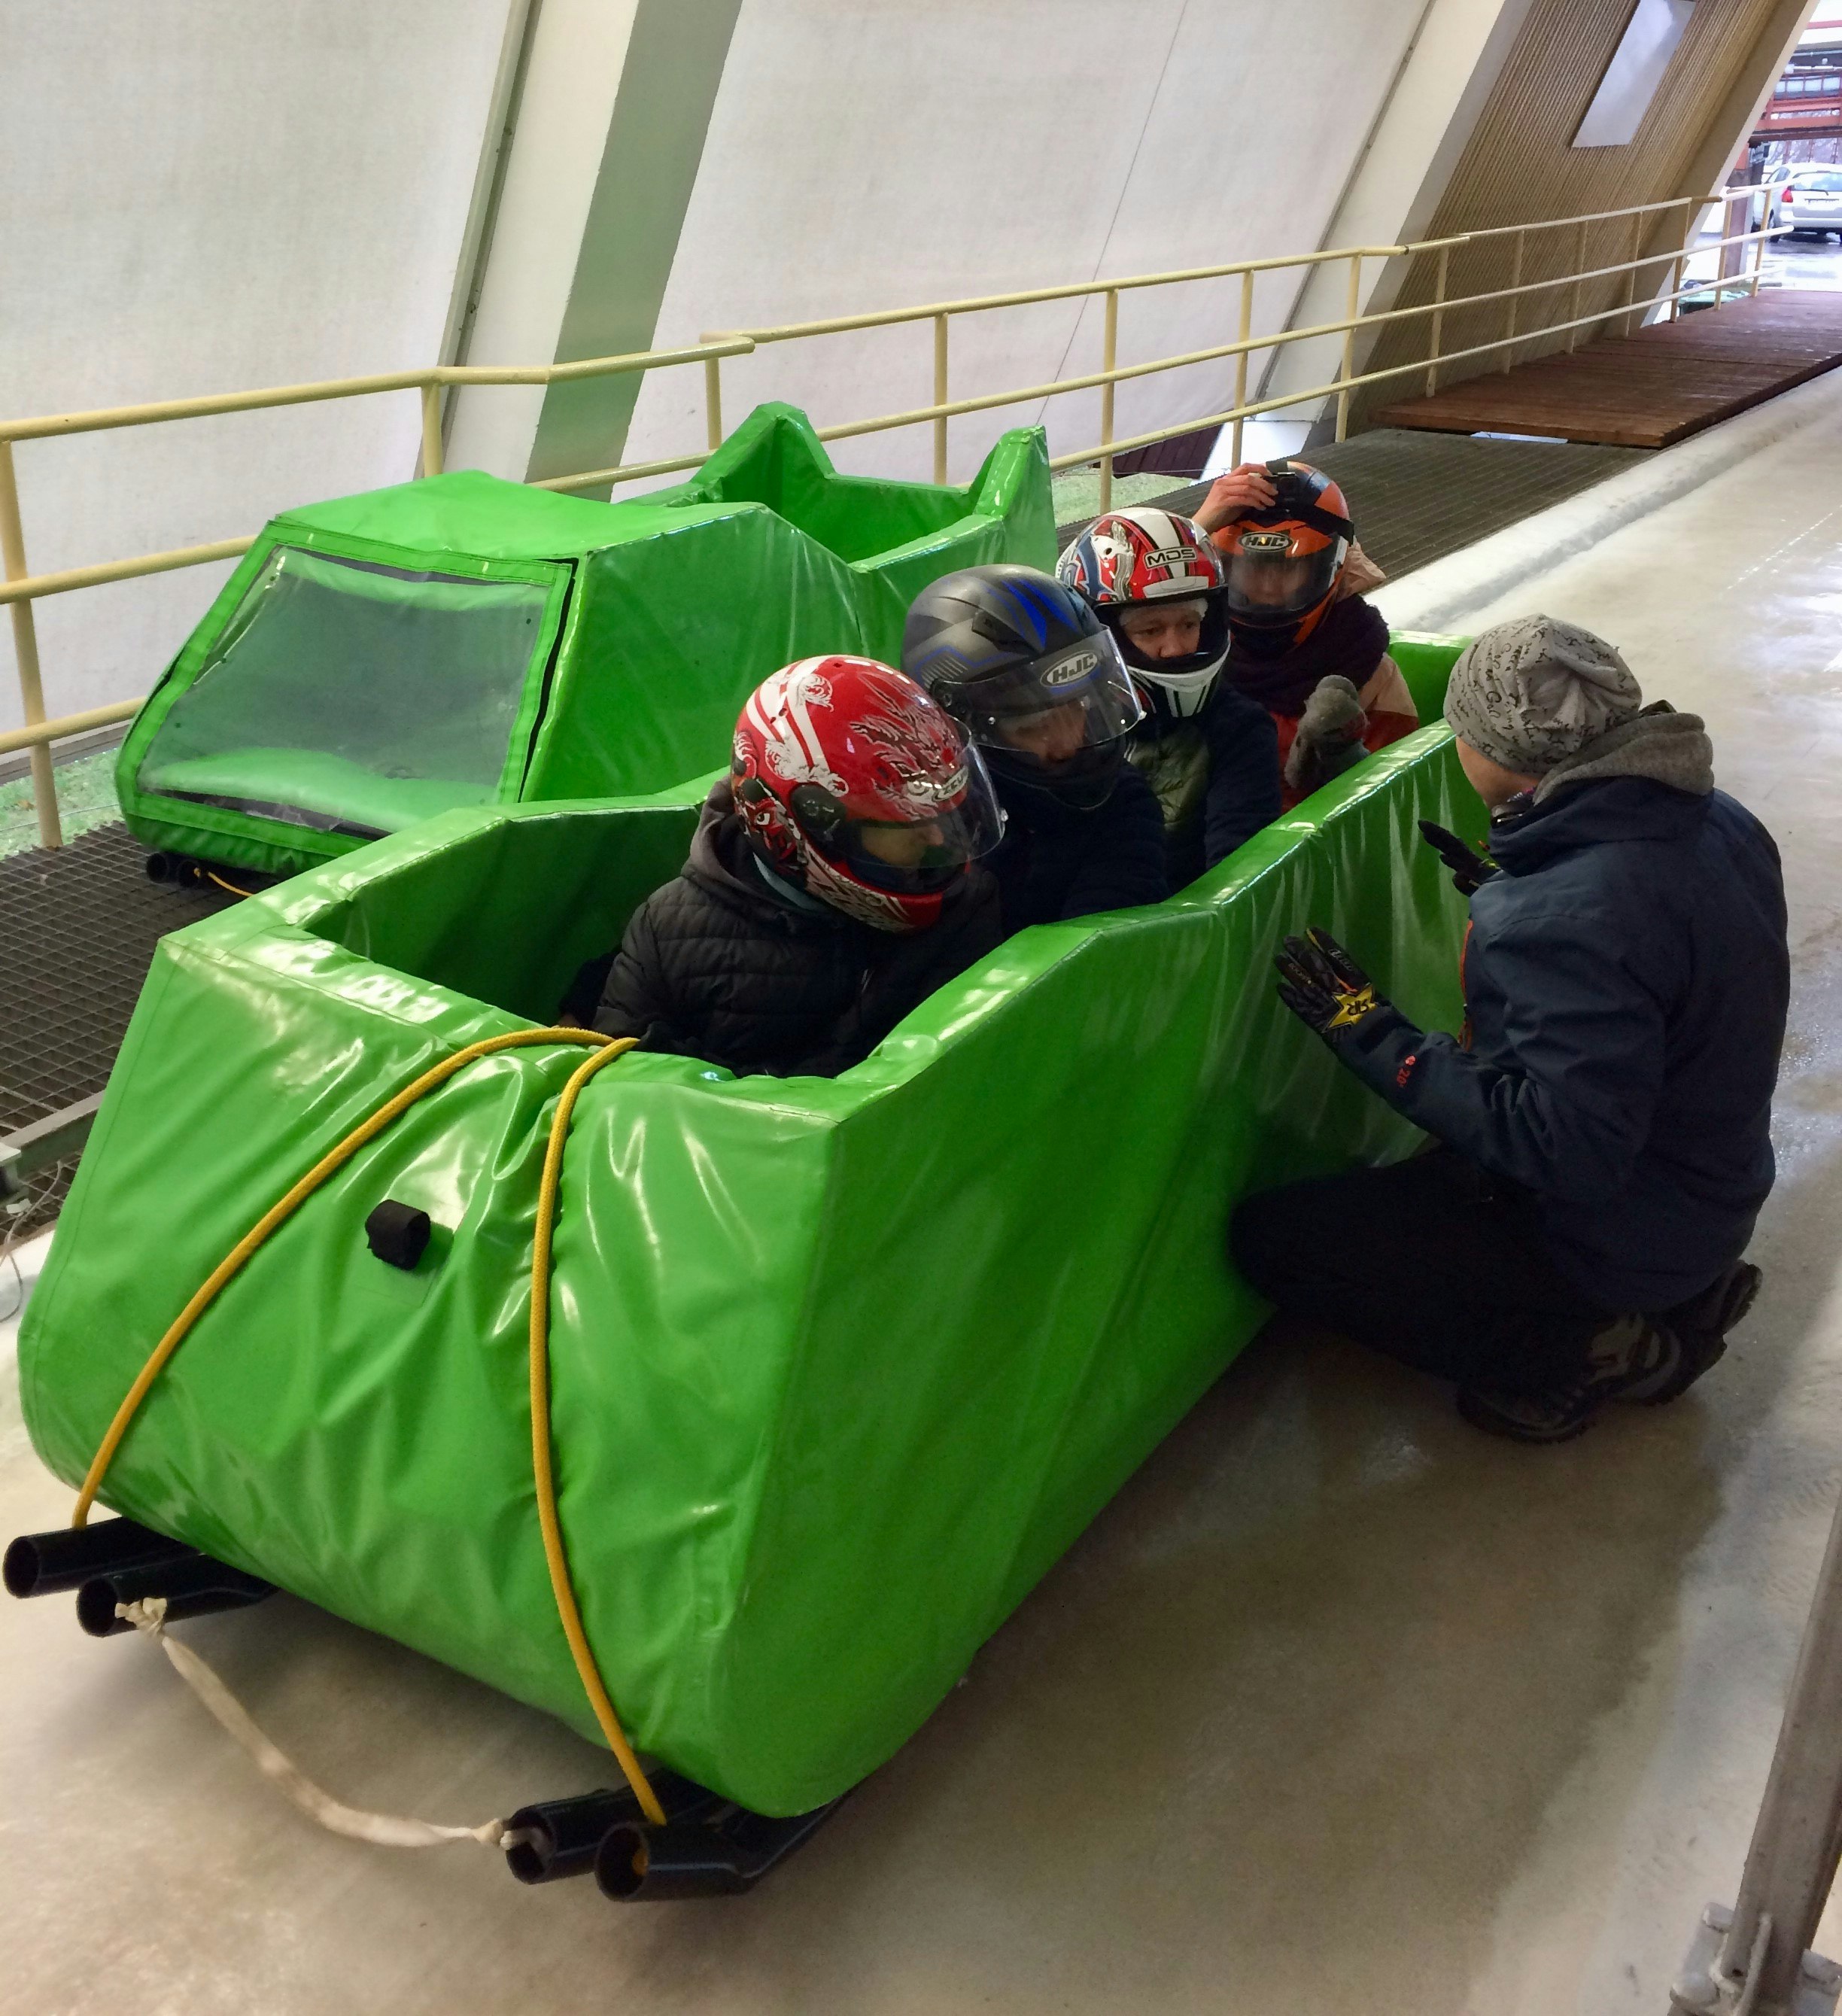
(1339, 1706)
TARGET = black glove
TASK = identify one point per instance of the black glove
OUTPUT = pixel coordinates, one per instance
(1330, 736)
(1470, 868)
(1323, 986)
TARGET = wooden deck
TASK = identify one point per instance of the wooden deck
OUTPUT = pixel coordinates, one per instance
(1653, 387)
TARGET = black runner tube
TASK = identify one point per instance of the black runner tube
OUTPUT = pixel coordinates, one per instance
(48, 1564)
(195, 1586)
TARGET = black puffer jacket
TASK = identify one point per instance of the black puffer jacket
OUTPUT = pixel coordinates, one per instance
(1055, 863)
(715, 966)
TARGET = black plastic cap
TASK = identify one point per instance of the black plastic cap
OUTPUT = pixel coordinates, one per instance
(398, 1234)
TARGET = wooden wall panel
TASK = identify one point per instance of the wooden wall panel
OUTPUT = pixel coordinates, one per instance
(1519, 167)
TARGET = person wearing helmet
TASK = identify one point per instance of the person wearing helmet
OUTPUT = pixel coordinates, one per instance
(832, 885)
(1305, 644)
(1209, 753)
(1035, 680)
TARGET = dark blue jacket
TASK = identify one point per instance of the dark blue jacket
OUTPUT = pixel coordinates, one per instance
(1625, 981)
(1238, 748)
(1244, 783)
(1055, 862)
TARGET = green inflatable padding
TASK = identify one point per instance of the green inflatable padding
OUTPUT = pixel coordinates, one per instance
(466, 641)
(840, 1367)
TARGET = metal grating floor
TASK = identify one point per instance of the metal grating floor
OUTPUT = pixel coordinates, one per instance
(1417, 496)
(77, 930)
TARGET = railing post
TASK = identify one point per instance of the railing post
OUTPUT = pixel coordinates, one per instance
(1790, 1864)
(25, 651)
(1245, 331)
(1438, 320)
(1758, 244)
(1579, 268)
(1348, 369)
(940, 397)
(713, 402)
(1108, 357)
(1637, 246)
(1676, 265)
(1514, 304)
(431, 429)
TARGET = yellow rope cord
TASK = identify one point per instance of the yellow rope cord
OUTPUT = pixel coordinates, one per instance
(554, 1551)
(212, 875)
(606, 1050)
(233, 1262)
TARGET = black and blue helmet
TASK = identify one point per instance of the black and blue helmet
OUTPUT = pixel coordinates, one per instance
(1030, 672)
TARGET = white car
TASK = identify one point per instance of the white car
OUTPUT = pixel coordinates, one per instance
(1812, 205)
(1808, 201)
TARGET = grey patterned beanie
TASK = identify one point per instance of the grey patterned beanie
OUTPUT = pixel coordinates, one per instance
(1530, 693)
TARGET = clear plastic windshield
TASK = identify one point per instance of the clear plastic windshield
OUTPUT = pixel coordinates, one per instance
(354, 697)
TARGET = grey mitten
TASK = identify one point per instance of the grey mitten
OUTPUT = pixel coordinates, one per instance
(1329, 736)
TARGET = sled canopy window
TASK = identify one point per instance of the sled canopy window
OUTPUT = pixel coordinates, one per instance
(355, 696)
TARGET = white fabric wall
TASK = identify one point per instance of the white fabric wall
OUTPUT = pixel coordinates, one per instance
(865, 156)
(206, 197)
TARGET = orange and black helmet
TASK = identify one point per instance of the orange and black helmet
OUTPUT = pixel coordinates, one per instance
(1283, 563)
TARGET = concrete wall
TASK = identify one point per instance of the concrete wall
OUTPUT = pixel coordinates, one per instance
(204, 196)
(864, 156)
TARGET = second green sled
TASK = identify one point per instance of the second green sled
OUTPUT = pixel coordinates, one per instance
(466, 641)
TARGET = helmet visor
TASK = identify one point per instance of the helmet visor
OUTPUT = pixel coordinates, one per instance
(919, 856)
(1268, 584)
(1056, 713)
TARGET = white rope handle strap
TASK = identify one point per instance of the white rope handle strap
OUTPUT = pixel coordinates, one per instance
(382, 1829)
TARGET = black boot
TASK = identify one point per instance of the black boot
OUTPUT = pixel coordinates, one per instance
(1644, 1360)
(1631, 1357)
(1702, 1324)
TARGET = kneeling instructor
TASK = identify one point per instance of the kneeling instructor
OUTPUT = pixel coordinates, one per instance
(1603, 1126)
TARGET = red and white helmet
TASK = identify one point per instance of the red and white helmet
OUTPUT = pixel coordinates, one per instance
(1128, 559)
(856, 787)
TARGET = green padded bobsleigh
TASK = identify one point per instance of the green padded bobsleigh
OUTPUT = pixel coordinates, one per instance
(839, 1367)
(466, 641)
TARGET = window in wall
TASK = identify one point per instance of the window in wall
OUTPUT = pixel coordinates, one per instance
(1636, 69)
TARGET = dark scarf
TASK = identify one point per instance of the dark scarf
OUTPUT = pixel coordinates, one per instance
(1349, 640)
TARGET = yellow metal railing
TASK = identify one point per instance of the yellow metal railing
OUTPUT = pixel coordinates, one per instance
(20, 589)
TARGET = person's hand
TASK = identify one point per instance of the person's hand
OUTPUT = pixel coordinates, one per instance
(1248, 488)
(1325, 989)
(1470, 869)
(1329, 739)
